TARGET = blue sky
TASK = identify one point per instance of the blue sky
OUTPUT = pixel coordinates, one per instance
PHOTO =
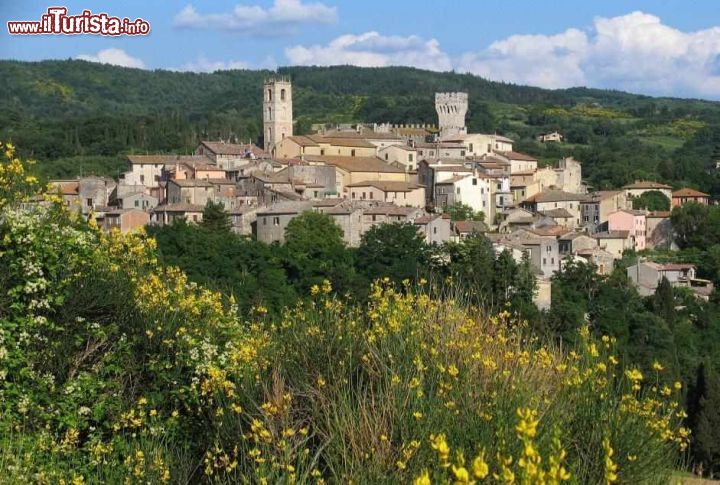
(654, 47)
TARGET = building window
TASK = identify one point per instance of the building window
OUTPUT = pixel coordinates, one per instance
(89, 202)
(471, 148)
(410, 157)
(269, 93)
(322, 151)
(264, 221)
(462, 153)
(458, 190)
(552, 260)
(137, 203)
(434, 230)
(352, 152)
(474, 182)
(544, 262)
(276, 221)
(282, 95)
(194, 218)
(371, 195)
(353, 195)
(142, 179)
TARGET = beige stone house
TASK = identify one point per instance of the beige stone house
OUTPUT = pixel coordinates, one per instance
(351, 170)
(125, 220)
(398, 193)
(401, 156)
(169, 213)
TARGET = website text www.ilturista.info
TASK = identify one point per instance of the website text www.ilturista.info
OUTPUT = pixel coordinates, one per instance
(57, 21)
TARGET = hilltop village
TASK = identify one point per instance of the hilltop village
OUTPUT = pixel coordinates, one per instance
(368, 174)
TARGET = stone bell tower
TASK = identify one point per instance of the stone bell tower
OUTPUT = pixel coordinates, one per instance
(277, 111)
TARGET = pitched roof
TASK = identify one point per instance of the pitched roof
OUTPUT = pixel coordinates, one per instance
(64, 187)
(602, 195)
(303, 141)
(191, 183)
(452, 180)
(557, 213)
(464, 227)
(390, 186)
(512, 155)
(356, 164)
(180, 207)
(391, 210)
(440, 145)
(688, 192)
(345, 142)
(222, 148)
(286, 208)
(611, 235)
(549, 230)
(658, 214)
(646, 184)
(555, 196)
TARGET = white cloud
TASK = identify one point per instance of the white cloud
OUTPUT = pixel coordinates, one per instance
(372, 49)
(634, 52)
(281, 18)
(117, 57)
(203, 64)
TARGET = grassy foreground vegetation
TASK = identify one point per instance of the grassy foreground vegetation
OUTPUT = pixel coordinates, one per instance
(115, 368)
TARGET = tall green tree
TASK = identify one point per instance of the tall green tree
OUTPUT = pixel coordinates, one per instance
(653, 200)
(705, 445)
(463, 212)
(396, 250)
(215, 218)
(314, 251)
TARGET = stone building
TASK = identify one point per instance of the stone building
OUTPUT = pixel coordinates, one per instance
(277, 111)
(451, 109)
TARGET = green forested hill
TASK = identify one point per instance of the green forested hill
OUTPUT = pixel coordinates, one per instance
(77, 116)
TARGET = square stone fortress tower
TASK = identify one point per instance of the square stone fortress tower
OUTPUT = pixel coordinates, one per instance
(277, 111)
(451, 109)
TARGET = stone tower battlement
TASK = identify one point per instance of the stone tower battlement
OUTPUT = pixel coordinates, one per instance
(277, 111)
(451, 109)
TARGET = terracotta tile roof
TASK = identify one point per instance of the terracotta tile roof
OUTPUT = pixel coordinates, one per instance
(390, 186)
(64, 187)
(344, 142)
(191, 183)
(518, 156)
(180, 207)
(555, 196)
(558, 213)
(611, 235)
(328, 202)
(440, 145)
(466, 227)
(688, 192)
(646, 184)
(286, 208)
(303, 141)
(391, 210)
(549, 230)
(356, 164)
(222, 148)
